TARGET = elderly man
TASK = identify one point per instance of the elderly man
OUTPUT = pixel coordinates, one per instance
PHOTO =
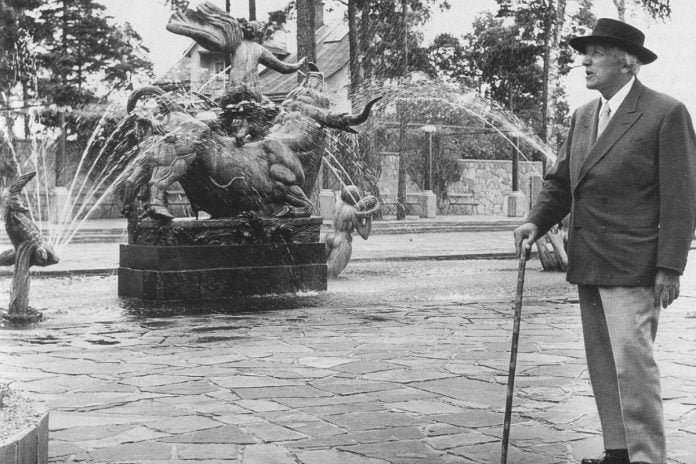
(627, 176)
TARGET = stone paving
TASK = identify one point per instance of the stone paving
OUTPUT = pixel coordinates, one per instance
(397, 363)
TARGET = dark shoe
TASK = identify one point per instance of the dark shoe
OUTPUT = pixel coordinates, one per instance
(610, 457)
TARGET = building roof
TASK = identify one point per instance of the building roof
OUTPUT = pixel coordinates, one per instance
(270, 45)
(180, 72)
(333, 53)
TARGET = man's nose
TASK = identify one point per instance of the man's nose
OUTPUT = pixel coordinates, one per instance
(586, 60)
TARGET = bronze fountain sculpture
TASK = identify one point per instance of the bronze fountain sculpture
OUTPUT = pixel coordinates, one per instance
(353, 212)
(273, 175)
(261, 236)
(30, 249)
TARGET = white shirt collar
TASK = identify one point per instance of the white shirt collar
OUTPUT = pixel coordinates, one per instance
(619, 97)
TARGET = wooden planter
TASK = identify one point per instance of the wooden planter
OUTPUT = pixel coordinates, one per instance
(23, 430)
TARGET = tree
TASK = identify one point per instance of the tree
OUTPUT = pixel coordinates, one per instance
(521, 63)
(15, 54)
(508, 65)
(388, 46)
(17, 64)
(449, 60)
(82, 46)
(177, 4)
(84, 56)
(655, 8)
(306, 43)
(354, 51)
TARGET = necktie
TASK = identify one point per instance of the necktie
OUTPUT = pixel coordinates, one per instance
(604, 115)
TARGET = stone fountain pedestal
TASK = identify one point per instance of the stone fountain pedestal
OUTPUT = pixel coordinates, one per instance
(219, 258)
(25, 426)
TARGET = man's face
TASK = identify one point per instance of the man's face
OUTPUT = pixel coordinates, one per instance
(603, 70)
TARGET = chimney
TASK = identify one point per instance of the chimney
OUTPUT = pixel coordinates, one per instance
(318, 14)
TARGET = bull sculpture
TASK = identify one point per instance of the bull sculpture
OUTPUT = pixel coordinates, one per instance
(273, 176)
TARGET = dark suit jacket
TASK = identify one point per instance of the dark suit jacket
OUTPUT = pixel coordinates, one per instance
(631, 195)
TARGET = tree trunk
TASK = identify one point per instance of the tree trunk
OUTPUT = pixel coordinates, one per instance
(64, 40)
(306, 44)
(401, 197)
(25, 104)
(354, 54)
(365, 39)
(545, 73)
(404, 26)
(554, 77)
(252, 10)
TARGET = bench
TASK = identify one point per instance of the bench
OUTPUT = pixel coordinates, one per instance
(389, 203)
(445, 205)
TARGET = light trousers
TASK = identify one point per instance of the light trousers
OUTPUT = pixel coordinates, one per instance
(619, 326)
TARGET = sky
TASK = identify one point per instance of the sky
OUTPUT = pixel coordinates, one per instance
(672, 40)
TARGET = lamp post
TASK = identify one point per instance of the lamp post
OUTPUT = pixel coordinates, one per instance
(428, 200)
(430, 130)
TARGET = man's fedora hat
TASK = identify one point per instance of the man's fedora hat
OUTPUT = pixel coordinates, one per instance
(618, 33)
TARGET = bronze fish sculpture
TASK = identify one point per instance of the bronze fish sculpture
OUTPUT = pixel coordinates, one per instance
(20, 228)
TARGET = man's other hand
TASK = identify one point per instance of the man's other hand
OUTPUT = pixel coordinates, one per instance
(525, 235)
(666, 287)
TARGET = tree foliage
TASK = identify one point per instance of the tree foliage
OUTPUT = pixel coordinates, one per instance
(278, 19)
(660, 9)
(507, 64)
(82, 46)
(16, 61)
(450, 61)
(657, 8)
(389, 45)
(517, 57)
(177, 4)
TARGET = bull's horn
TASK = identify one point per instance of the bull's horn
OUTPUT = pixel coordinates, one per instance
(164, 101)
(343, 121)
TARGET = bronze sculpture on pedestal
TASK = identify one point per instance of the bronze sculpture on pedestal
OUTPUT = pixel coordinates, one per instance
(254, 179)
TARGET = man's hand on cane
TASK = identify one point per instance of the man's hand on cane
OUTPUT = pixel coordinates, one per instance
(525, 235)
(666, 287)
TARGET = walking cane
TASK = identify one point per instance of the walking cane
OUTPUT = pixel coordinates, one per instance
(513, 351)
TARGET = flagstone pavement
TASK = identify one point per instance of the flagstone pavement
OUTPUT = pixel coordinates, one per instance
(397, 363)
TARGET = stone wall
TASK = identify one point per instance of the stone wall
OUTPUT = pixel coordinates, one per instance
(490, 183)
(388, 181)
(484, 185)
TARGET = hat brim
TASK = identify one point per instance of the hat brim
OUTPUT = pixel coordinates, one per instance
(643, 54)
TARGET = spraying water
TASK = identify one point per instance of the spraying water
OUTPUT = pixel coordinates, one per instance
(96, 176)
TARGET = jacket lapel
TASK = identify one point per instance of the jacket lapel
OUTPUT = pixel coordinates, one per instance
(626, 115)
(583, 140)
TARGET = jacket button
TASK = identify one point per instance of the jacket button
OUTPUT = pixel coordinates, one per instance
(603, 229)
(604, 200)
